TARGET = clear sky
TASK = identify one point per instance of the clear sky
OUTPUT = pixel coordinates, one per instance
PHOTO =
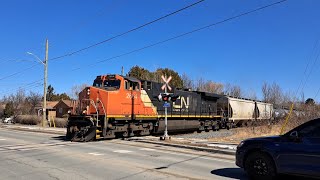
(272, 45)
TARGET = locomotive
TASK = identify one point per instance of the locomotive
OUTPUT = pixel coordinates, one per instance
(122, 106)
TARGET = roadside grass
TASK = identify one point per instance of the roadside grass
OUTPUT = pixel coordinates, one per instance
(242, 133)
(249, 132)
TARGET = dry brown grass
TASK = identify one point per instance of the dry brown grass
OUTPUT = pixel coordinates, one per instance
(295, 120)
(249, 132)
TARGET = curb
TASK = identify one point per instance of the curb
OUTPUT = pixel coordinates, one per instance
(35, 130)
(212, 150)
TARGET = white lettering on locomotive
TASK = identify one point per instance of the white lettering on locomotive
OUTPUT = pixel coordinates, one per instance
(183, 103)
(130, 96)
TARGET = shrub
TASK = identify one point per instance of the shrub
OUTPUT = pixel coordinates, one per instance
(60, 122)
(28, 119)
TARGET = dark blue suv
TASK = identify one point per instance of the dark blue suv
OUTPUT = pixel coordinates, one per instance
(296, 152)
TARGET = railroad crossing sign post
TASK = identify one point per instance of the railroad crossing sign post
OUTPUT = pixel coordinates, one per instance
(165, 87)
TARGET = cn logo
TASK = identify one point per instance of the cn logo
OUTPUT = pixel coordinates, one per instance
(184, 103)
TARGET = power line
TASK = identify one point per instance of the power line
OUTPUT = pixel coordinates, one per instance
(313, 65)
(109, 39)
(302, 82)
(28, 85)
(127, 32)
(184, 34)
(19, 72)
(172, 38)
(84, 22)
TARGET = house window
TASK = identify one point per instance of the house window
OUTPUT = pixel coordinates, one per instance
(60, 110)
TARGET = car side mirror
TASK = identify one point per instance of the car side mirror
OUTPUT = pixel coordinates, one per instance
(294, 136)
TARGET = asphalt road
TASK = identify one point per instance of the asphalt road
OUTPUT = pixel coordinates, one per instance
(30, 155)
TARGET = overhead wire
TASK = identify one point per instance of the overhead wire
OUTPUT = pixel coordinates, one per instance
(111, 38)
(184, 34)
(126, 32)
(309, 61)
(312, 67)
(32, 84)
(19, 72)
(160, 42)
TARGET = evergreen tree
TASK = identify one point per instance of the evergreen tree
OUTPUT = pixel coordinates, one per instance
(8, 110)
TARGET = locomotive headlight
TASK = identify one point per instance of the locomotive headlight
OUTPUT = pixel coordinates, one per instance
(88, 91)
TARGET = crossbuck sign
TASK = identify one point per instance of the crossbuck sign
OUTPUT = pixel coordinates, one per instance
(166, 83)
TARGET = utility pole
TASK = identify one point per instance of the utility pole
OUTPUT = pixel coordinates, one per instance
(122, 71)
(45, 63)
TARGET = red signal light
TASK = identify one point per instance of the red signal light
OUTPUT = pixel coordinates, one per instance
(174, 98)
(165, 98)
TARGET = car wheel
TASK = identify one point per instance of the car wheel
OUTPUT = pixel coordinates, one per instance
(260, 166)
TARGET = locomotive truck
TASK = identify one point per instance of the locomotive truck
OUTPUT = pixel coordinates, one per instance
(122, 106)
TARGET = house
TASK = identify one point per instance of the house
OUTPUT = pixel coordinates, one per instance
(51, 111)
(63, 106)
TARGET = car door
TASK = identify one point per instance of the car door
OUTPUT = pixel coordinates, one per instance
(301, 154)
(310, 137)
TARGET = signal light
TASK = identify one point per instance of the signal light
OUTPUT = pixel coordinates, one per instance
(174, 98)
(166, 97)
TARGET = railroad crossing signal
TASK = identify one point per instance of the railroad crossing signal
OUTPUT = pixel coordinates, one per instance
(166, 83)
(166, 97)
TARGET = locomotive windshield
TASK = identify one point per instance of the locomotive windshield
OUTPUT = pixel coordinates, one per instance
(97, 83)
(111, 84)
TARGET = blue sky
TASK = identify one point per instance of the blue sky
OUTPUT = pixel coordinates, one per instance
(272, 45)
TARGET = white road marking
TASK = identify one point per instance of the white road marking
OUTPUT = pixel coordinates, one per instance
(2, 139)
(95, 154)
(232, 147)
(147, 149)
(122, 151)
(26, 149)
(60, 145)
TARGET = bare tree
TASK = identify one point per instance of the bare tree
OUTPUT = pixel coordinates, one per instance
(200, 83)
(33, 99)
(209, 86)
(187, 82)
(272, 93)
(76, 89)
(19, 102)
(265, 92)
(213, 87)
(233, 90)
(252, 95)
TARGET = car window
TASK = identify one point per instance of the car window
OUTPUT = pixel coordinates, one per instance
(313, 130)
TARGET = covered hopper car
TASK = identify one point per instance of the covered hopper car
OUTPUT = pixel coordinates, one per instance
(121, 106)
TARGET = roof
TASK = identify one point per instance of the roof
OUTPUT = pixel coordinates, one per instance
(69, 103)
(133, 79)
(51, 104)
